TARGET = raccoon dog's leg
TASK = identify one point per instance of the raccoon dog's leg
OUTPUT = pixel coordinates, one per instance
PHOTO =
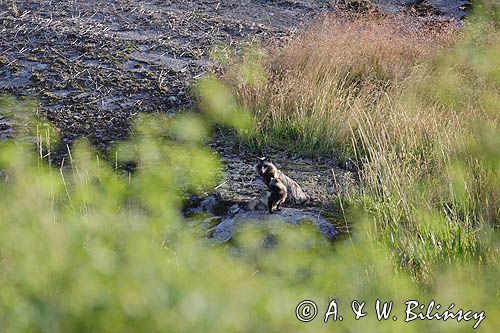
(270, 204)
(278, 207)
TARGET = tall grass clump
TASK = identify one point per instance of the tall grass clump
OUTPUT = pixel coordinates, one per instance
(305, 93)
(432, 170)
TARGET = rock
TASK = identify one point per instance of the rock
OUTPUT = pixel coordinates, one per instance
(448, 8)
(225, 230)
(206, 205)
(209, 224)
(234, 209)
(331, 190)
(167, 61)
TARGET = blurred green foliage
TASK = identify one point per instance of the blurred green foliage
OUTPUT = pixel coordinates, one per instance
(219, 105)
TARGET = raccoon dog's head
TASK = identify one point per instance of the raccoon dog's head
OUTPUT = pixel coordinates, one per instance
(263, 164)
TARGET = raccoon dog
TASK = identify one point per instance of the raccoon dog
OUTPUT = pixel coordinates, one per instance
(277, 196)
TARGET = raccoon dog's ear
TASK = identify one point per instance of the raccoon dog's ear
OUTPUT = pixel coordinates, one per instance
(264, 159)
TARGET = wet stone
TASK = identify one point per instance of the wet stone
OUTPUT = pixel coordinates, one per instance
(170, 62)
(228, 227)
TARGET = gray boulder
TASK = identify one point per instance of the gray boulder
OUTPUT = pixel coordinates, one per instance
(225, 230)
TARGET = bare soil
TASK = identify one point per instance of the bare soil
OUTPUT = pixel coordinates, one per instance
(93, 65)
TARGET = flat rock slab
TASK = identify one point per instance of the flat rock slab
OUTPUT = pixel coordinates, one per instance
(449, 8)
(225, 230)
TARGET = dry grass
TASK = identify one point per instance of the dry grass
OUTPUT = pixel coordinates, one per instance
(341, 72)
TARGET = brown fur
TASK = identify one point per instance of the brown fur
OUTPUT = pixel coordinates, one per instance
(277, 196)
(266, 170)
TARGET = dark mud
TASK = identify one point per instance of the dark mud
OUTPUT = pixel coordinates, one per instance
(94, 65)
